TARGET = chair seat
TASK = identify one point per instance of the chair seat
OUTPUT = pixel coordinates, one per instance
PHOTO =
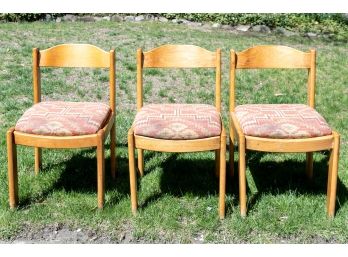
(281, 121)
(177, 121)
(58, 118)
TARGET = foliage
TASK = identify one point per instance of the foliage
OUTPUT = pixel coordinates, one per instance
(269, 19)
(335, 25)
(15, 17)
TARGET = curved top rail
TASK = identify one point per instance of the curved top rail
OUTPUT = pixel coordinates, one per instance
(272, 56)
(179, 56)
(74, 55)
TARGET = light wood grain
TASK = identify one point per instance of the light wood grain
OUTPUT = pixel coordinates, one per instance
(309, 165)
(38, 159)
(132, 173)
(12, 169)
(289, 145)
(280, 57)
(222, 174)
(36, 76)
(312, 79)
(232, 139)
(217, 163)
(74, 55)
(177, 56)
(141, 162)
(100, 168)
(140, 63)
(269, 56)
(232, 79)
(218, 80)
(113, 163)
(242, 176)
(68, 55)
(332, 176)
(177, 146)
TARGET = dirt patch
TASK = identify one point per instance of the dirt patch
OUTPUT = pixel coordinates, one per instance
(58, 234)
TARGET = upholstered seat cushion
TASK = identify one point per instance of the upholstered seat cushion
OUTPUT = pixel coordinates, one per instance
(178, 121)
(58, 118)
(281, 121)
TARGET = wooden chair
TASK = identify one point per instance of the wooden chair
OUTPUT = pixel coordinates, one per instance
(280, 127)
(59, 124)
(177, 127)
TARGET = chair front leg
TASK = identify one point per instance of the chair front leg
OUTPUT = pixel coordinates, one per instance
(242, 176)
(332, 176)
(12, 169)
(222, 182)
(132, 172)
(100, 169)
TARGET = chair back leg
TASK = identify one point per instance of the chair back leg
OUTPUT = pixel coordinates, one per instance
(38, 153)
(242, 176)
(113, 164)
(217, 163)
(231, 159)
(309, 165)
(222, 176)
(141, 162)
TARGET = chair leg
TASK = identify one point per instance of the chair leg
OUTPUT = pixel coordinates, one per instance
(231, 160)
(242, 177)
(38, 153)
(141, 162)
(309, 165)
(113, 151)
(101, 169)
(217, 163)
(222, 182)
(332, 177)
(12, 169)
(132, 172)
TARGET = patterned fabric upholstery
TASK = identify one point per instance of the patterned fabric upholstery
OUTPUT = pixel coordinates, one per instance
(178, 121)
(281, 121)
(59, 118)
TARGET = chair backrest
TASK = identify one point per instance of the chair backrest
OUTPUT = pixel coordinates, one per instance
(179, 56)
(73, 56)
(273, 57)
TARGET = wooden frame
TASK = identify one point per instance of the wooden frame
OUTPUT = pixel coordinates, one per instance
(178, 56)
(263, 57)
(66, 55)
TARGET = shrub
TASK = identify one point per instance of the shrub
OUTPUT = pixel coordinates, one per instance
(334, 24)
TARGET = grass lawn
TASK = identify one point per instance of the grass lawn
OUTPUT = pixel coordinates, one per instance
(178, 195)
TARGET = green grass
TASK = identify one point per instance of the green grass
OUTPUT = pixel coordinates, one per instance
(178, 195)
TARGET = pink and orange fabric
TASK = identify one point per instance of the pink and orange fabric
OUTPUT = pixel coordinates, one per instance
(281, 121)
(58, 118)
(178, 121)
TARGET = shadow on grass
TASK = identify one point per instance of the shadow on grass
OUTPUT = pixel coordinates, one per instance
(194, 176)
(79, 174)
(182, 176)
(280, 177)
